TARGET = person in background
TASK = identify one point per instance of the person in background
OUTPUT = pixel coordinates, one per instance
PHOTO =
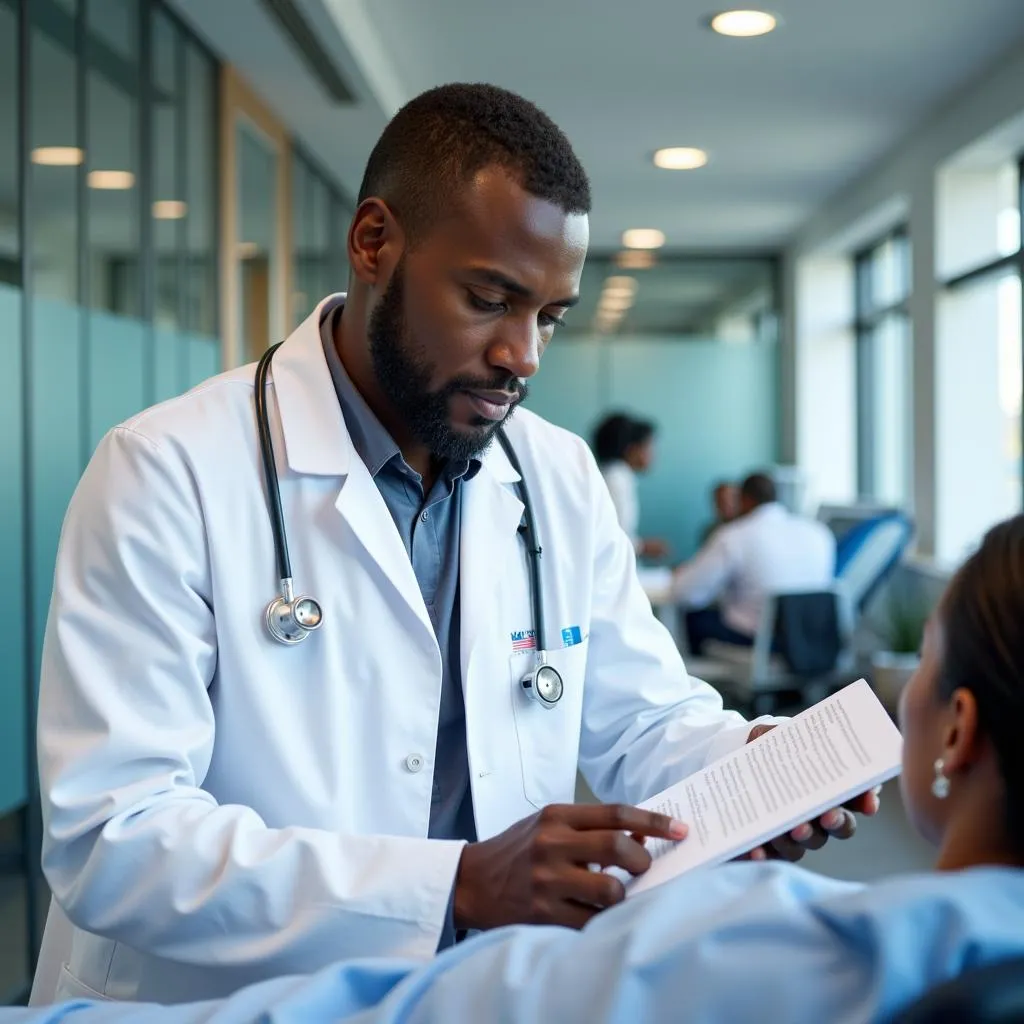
(624, 447)
(752, 941)
(725, 499)
(766, 550)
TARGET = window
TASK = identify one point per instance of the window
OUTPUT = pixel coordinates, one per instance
(320, 217)
(884, 395)
(978, 358)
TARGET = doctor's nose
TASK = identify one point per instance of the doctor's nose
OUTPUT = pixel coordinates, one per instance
(518, 348)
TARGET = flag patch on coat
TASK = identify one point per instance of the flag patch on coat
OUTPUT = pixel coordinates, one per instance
(524, 640)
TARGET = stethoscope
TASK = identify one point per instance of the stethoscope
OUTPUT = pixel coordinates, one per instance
(290, 619)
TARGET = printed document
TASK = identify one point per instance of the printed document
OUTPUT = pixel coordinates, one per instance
(825, 756)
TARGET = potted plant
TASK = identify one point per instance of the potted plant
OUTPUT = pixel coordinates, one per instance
(899, 655)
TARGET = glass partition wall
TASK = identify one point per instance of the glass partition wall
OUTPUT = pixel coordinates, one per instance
(108, 302)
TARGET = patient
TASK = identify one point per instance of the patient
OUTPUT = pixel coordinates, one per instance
(754, 941)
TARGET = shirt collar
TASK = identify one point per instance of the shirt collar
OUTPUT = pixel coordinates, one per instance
(374, 445)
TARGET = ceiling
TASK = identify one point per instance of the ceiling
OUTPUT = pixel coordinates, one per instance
(689, 297)
(788, 119)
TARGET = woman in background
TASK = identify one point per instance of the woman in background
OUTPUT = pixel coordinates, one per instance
(624, 447)
(753, 941)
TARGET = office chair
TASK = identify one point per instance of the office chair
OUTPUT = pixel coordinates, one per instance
(867, 554)
(993, 994)
(804, 639)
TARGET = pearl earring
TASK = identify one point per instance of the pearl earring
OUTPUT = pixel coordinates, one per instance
(940, 787)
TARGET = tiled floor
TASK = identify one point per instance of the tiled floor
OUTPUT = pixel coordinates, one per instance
(13, 954)
(884, 845)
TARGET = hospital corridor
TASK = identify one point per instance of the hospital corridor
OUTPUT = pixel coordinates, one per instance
(511, 511)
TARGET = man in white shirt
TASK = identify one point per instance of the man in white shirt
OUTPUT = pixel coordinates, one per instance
(765, 551)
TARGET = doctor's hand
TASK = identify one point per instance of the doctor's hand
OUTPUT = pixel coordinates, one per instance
(538, 871)
(838, 823)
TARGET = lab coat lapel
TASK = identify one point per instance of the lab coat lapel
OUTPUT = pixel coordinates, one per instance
(491, 514)
(364, 511)
(317, 442)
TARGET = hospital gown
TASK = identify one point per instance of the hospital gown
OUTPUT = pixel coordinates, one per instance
(744, 942)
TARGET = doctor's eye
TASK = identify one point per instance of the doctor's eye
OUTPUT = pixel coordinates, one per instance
(484, 306)
(549, 320)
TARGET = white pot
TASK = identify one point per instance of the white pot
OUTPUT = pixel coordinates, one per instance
(890, 672)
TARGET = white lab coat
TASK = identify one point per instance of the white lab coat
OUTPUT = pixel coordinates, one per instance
(768, 551)
(219, 808)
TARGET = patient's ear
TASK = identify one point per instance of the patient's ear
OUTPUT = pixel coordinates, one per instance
(963, 743)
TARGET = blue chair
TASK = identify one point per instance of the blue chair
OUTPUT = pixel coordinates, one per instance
(868, 552)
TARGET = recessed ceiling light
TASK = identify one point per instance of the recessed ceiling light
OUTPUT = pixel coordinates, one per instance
(680, 158)
(111, 180)
(620, 286)
(643, 238)
(613, 303)
(635, 259)
(744, 24)
(57, 156)
(170, 209)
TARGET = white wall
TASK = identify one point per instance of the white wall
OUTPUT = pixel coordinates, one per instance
(906, 182)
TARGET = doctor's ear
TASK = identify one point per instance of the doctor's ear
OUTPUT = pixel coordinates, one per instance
(375, 242)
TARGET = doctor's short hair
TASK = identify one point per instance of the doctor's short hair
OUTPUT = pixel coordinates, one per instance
(441, 139)
(758, 489)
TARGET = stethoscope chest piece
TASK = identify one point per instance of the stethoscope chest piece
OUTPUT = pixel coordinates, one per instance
(543, 684)
(289, 619)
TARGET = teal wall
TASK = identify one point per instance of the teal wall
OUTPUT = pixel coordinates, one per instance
(715, 404)
(87, 371)
(13, 671)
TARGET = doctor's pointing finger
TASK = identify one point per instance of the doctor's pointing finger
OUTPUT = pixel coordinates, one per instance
(330, 636)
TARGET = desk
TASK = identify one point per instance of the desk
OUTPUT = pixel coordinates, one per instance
(656, 582)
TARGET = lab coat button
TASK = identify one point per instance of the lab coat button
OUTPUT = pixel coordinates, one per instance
(414, 763)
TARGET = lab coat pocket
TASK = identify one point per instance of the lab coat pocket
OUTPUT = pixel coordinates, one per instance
(549, 738)
(69, 987)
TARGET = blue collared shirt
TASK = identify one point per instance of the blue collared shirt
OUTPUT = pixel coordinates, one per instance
(429, 526)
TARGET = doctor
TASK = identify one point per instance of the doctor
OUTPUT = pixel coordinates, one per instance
(220, 807)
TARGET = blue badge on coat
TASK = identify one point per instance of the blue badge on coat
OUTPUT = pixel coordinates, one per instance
(571, 636)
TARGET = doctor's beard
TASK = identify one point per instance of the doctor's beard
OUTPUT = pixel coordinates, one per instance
(404, 376)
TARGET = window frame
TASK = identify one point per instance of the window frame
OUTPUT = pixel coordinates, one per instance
(867, 318)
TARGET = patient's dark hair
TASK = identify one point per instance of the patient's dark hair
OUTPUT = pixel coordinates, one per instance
(758, 489)
(441, 139)
(982, 615)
